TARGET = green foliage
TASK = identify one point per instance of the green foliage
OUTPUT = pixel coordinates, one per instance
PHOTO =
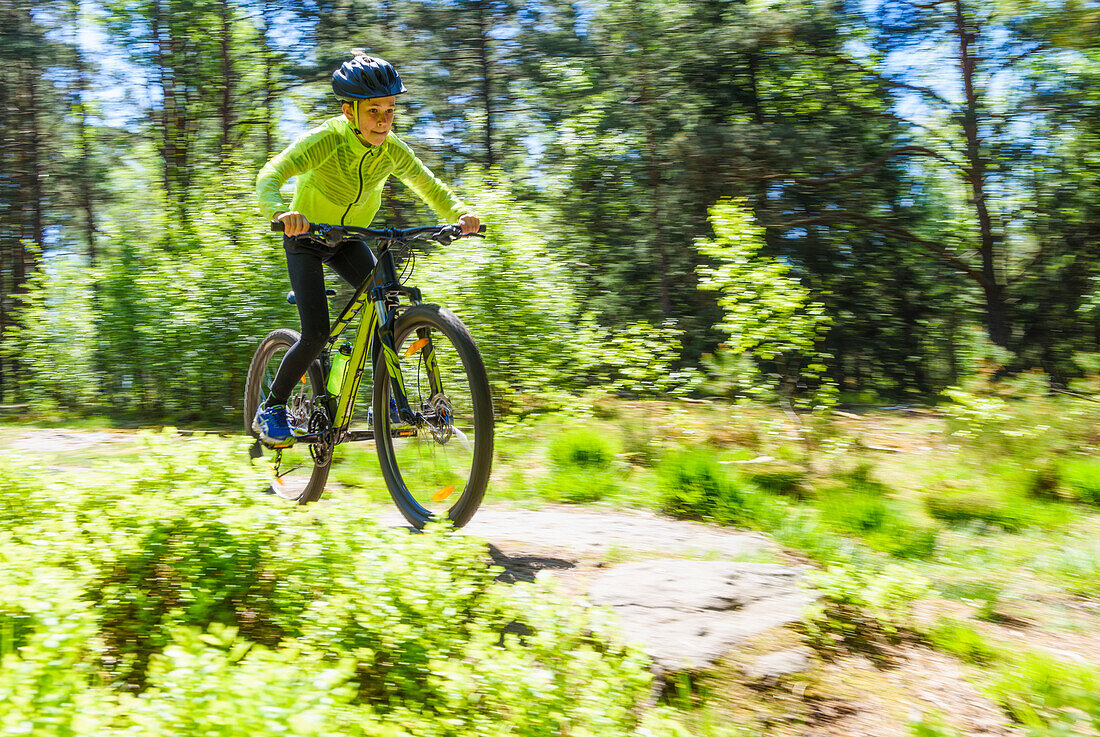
(216, 682)
(56, 342)
(48, 650)
(585, 449)
(984, 594)
(1081, 476)
(960, 503)
(768, 314)
(167, 324)
(694, 485)
(1049, 697)
(854, 512)
(971, 413)
(233, 613)
(637, 359)
(523, 308)
(802, 528)
(1076, 565)
(787, 479)
(517, 300)
(853, 502)
(576, 486)
(931, 727)
(881, 524)
(862, 606)
(581, 462)
(964, 642)
(1016, 419)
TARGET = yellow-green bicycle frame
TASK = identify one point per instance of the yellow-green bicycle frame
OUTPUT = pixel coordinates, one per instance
(363, 348)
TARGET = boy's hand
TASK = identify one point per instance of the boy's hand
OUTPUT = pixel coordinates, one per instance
(294, 223)
(469, 223)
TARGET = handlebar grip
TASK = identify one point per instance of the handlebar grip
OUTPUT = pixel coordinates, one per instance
(479, 230)
(277, 226)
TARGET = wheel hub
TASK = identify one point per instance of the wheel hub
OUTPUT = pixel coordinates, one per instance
(442, 425)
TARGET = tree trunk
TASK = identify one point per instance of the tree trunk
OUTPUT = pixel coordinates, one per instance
(997, 319)
(758, 118)
(269, 93)
(33, 171)
(161, 46)
(226, 106)
(486, 81)
(25, 158)
(173, 117)
(84, 136)
(653, 166)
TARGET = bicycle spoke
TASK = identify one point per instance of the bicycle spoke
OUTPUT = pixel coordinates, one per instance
(432, 471)
(294, 473)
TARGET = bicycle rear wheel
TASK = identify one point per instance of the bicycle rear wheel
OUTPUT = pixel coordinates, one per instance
(298, 473)
(439, 470)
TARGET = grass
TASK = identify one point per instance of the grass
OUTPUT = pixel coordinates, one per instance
(964, 642)
(1081, 476)
(1049, 696)
(1075, 565)
(993, 503)
(995, 528)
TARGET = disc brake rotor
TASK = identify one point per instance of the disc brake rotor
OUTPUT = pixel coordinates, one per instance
(442, 425)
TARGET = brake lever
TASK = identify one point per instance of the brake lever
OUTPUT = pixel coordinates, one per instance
(451, 233)
(330, 234)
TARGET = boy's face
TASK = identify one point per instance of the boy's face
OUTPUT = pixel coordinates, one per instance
(375, 118)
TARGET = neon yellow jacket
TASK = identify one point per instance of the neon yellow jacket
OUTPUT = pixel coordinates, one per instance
(340, 178)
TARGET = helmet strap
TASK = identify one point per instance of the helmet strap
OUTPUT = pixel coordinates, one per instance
(355, 113)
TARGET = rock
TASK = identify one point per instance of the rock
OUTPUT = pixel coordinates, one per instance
(686, 614)
(773, 666)
(593, 534)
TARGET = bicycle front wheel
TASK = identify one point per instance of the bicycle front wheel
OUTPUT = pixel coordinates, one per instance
(440, 469)
(297, 473)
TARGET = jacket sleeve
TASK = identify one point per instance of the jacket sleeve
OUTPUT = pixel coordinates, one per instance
(307, 152)
(420, 179)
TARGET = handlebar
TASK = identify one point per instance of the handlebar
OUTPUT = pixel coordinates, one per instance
(334, 234)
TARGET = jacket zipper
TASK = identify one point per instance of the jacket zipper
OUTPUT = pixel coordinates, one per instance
(357, 194)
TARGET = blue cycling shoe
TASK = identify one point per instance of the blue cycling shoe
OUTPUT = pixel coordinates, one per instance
(272, 426)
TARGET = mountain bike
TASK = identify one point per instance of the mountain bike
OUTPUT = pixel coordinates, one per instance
(431, 413)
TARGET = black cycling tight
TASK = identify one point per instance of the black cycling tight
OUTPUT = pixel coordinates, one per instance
(354, 262)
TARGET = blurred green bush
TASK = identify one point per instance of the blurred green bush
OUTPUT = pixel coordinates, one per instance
(1081, 477)
(694, 485)
(160, 598)
(581, 466)
(165, 325)
(962, 502)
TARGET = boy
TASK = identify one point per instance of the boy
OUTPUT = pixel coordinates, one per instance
(341, 166)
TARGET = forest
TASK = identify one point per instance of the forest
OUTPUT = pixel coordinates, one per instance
(810, 199)
(785, 300)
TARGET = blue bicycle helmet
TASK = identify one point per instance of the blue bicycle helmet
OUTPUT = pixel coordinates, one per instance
(365, 77)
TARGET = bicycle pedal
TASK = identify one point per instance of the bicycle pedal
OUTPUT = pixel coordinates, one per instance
(275, 445)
